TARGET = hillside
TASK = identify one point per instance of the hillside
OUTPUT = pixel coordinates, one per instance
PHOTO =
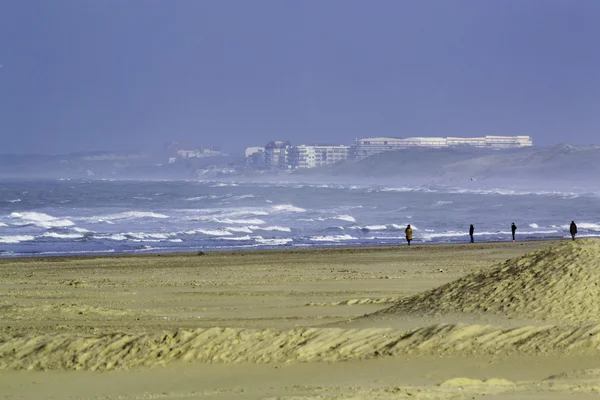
(576, 164)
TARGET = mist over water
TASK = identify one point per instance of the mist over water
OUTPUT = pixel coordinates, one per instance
(95, 217)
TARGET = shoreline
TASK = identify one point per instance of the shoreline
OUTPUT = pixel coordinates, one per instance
(281, 249)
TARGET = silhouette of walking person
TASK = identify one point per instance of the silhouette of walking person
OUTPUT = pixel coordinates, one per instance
(573, 229)
(408, 233)
(513, 229)
(471, 231)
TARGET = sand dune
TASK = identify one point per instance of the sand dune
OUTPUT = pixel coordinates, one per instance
(218, 345)
(559, 283)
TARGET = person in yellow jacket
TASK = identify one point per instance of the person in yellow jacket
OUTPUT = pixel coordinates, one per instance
(408, 233)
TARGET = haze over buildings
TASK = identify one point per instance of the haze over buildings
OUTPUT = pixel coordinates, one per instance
(283, 155)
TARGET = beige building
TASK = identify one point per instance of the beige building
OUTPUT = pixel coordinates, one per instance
(312, 156)
(369, 146)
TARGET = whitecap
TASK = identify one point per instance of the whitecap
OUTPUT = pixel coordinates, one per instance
(3, 224)
(274, 242)
(56, 235)
(288, 208)
(16, 239)
(237, 238)
(143, 235)
(347, 218)
(272, 228)
(371, 227)
(214, 232)
(127, 215)
(240, 229)
(534, 225)
(40, 219)
(334, 238)
(254, 221)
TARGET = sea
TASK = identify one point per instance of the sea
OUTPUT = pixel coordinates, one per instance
(74, 217)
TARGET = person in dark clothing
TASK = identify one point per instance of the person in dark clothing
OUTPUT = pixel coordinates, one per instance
(471, 230)
(408, 233)
(573, 230)
(513, 229)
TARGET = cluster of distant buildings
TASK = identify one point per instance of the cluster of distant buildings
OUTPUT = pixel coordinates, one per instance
(277, 155)
(182, 151)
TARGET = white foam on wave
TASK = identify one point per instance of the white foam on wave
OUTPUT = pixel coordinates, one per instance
(127, 215)
(143, 235)
(13, 201)
(403, 227)
(274, 242)
(347, 218)
(242, 197)
(332, 238)
(243, 212)
(56, 235)
(371, 227)
(16, 239)
(239, 238)
(534, 226)
(271, 228)
(253, 221)
(224, 185)
(40, 219)
(3, 224)
(114, 236)
(443, 202)
(281, 208)
(239, 229)
(213, 232)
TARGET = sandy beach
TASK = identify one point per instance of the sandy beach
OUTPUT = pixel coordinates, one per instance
(499, 320)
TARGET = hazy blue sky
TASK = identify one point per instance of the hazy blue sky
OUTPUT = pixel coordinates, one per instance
(108, 74)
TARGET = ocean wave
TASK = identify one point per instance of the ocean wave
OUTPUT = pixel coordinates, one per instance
(114, 236)
(239, 238)
(40, 220)
(271, 228)
(333, 238)
(224, 185)
(342, 217)
(2, 224)
(56, 235)
(253, 221)
(370, 227)
(590, 226)
(16, 239)
(242, 197)
(403, 227)
(143, 235)
(212, 232)
(274, 242)
(281, 208)
(127, 215)
(13, 201)
(240, 229)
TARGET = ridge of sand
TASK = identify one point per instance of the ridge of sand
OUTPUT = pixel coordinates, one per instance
(558, 283)
(228, 345)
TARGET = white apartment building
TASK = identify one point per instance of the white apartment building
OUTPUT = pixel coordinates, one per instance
(312, 156)
(369, 146)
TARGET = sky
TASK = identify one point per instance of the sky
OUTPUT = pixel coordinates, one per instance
(83, 75)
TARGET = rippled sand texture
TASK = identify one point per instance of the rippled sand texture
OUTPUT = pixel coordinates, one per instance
(514, 320)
